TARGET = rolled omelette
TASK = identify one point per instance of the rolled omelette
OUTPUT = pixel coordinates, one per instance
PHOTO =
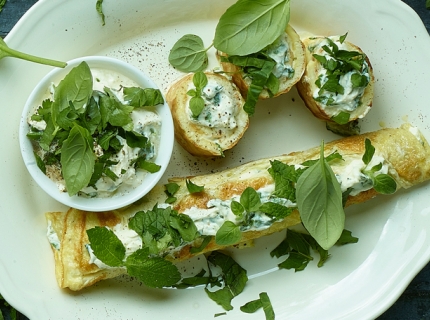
(403, 154)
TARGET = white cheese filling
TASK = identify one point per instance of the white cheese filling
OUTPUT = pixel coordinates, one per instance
(279, 51)
(220, 109)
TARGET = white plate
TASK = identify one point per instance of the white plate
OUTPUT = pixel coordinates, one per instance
(359, 281)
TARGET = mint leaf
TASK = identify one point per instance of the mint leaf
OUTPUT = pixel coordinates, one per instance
(106, 246)
(285, 177)
(200, 81)
(262, 302)
(346, 237)
(170, 191)
(197, 104)
(222, 297)
(275, 210)
(233, 275)
(228, 234)
(319, 200)
(237, 208)
(185, 226)
(154, 272)
(193, 188)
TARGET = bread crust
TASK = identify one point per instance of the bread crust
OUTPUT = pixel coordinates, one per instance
(296, 55)
(198, 139)
(306, 86)
(407, 155)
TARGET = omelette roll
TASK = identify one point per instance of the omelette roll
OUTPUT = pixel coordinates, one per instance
(402, 154)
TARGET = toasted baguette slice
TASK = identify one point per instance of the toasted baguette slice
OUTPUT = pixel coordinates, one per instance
(308, 90)
(404, 151)
(228, 121)
(296, 57)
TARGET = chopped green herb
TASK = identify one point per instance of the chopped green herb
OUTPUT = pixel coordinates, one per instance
(233, 276)
(193, 188)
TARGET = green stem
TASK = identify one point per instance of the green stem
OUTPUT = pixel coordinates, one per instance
(29, 57)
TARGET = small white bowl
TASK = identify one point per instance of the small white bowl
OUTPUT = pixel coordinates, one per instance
(96, 204)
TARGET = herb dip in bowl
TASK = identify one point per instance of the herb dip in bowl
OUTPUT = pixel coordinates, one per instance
(96, 135)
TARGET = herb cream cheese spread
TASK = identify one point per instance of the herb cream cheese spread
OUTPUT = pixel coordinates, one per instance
(219, 108)
(108, 131)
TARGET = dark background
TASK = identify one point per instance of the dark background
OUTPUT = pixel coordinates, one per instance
(414, 304)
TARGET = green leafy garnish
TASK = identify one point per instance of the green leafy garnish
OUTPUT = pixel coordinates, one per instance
(106, 246)
(297, 246)
(193, 188)
(189, 54)
(233, 276)
(262, 302)
(77, 159)
(228, 234)
(170, 190)
(319, 200)
(197, 103)
(99, 9)
(249, 26)
(338, 63)
(382, 183)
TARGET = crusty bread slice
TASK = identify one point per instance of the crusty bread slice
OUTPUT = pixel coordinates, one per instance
(197, 138)
(306, 87)
(405, 151)
(296, 56)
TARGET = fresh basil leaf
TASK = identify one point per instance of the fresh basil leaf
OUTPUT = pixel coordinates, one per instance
(228, 234)
(319, 200)
(384, 184)
(91, 118)
(135, 139)
(250, 200)
(154, 272)
(256, 25)
(138, 97)
(106, 246)
(428, 4)
(149, 166)
(77, 159)
(189, 54)
(40, 163)
(193, 188)
(76, 87)
(252, 96)
(105, 138)
(369, 151)
(342, 38)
